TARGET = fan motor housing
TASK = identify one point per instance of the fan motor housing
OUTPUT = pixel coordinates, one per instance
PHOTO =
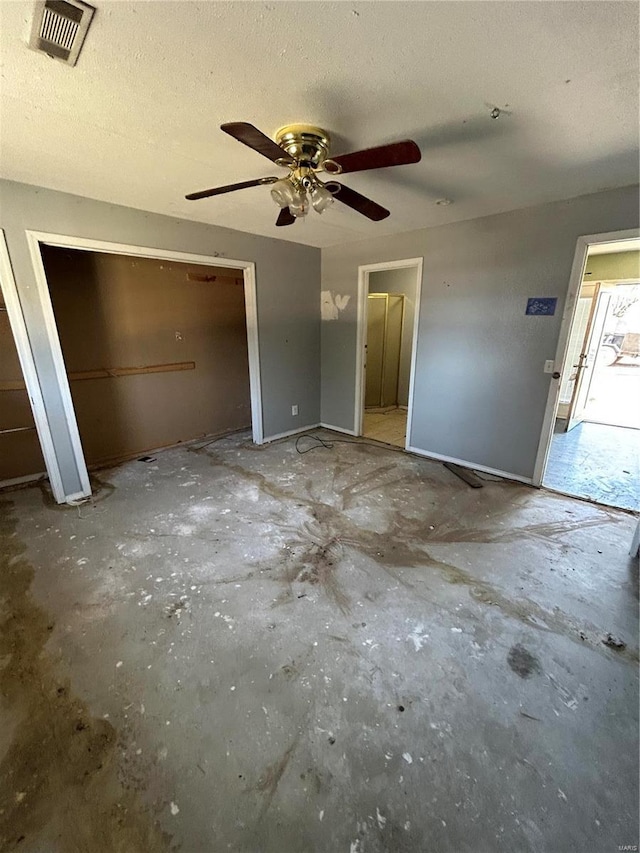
(307, 144)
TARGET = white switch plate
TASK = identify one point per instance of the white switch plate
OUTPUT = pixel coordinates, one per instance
(294, 410)
(549, 366)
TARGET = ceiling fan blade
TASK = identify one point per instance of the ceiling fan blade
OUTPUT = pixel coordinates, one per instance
(358, 202)
(257, 140)
(229, 188)
(285, 217)
(395, 154)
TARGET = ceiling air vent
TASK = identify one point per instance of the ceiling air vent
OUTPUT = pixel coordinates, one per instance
(59, 28)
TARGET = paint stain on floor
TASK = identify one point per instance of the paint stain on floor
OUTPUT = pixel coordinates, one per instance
(522, 662)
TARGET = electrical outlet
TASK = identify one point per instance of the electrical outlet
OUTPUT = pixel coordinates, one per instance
(549, 366)
(294, 410)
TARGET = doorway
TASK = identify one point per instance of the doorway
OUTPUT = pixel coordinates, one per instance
(155, 351)
(53, 458)
(594, 451)
(387, 326)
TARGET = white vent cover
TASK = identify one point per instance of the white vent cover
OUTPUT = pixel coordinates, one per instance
(59, 28)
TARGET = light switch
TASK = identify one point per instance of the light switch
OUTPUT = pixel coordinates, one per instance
(549, 366)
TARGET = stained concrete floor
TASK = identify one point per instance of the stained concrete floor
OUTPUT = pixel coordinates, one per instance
(346, 651)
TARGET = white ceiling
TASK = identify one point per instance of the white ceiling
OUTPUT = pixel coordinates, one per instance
(136, 122)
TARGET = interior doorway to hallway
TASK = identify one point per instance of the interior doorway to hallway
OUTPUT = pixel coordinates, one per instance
(595, 448)
(387, 324)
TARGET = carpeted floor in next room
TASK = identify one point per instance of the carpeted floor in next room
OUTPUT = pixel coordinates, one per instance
(348, 651)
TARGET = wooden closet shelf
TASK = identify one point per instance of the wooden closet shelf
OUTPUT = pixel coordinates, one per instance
(109, 373)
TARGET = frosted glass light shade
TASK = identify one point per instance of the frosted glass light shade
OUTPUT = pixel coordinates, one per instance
(321, 198)
(300, 207)
(284, 193)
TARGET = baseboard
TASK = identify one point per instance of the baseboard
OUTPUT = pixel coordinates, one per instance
(463, 462)
(22, 481)
(604, 423)
(270, 438)
(339, 429)
(115, 461)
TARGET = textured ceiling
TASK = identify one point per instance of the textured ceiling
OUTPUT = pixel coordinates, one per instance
(136, 121)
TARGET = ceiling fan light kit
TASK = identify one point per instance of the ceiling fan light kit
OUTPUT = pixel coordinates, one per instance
(304, 150)
(321, 197)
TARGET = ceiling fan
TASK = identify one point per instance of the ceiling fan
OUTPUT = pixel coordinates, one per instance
(304, 150)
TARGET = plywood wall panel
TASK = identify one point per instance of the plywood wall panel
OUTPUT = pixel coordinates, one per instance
(20, 454)
(115, 311)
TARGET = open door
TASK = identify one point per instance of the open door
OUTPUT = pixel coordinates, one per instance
(587, 357)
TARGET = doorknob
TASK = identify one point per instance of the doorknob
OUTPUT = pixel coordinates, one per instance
(555, 375)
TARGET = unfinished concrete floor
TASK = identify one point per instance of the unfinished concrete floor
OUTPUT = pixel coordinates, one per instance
(347, 651)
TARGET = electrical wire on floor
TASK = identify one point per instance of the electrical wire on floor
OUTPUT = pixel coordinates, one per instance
(328, 445)
(320, 442)
(324, 444)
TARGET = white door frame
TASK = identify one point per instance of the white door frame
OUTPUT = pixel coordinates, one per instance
(361, 336)
(25, 356)
(575, 283)
(35, 239)
(590, 347)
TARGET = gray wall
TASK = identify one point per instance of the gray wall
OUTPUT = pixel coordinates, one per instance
(288, 295)
(480, 390)
(400, 281)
